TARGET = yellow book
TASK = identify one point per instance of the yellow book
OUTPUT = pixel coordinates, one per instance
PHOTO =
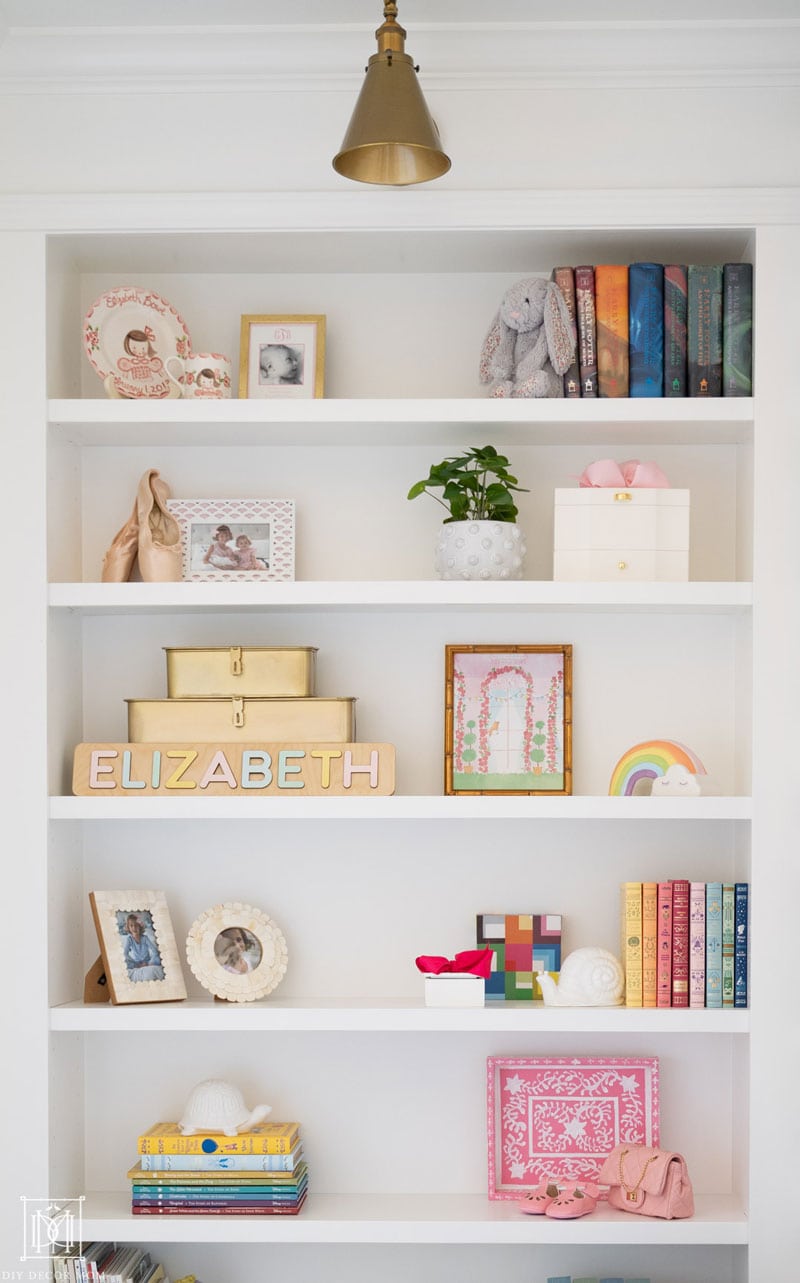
(264, 1138)
(632, 942)
(649, 943)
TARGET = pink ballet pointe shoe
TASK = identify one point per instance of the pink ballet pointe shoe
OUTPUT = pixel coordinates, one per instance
(577, 1200)
(118, 561)
(537, 1202)
(160, 558)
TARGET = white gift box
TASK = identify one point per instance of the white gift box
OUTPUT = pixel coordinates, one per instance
(601, 533)
(454, 989)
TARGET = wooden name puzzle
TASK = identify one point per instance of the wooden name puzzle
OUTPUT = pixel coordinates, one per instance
(249, 770)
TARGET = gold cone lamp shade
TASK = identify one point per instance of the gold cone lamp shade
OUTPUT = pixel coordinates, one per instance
(391, 138)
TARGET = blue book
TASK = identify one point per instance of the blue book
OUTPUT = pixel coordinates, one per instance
(713, 944)
(646, 329)
(740, 948)
(221, 1162)
(562, 1278)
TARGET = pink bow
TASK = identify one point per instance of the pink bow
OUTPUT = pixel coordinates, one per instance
(632, 473)
(476, 962)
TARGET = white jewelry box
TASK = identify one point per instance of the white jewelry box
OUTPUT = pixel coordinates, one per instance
(454, 989)
(602, 533)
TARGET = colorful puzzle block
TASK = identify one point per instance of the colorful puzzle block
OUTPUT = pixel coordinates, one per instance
(523, 945)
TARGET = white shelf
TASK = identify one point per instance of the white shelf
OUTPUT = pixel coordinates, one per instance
(726, 597)
(392, 1015)
(225, 809)
(417, 1218)
(371, 422)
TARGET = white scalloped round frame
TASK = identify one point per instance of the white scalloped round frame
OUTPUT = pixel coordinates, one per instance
(212, 975)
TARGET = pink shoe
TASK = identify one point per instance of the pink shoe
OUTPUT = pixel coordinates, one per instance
(578, 1200)
(537, 1202)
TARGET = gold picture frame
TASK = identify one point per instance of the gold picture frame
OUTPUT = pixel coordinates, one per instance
(282, 357)
(508, 720)
(138, 946)
(237, 952)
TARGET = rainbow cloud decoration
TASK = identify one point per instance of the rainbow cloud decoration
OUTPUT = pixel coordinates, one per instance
(650, 761)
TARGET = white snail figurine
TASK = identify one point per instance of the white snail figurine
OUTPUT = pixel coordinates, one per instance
(217, 1106)
(589, 977)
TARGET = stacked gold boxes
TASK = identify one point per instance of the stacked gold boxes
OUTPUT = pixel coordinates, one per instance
(225, 693)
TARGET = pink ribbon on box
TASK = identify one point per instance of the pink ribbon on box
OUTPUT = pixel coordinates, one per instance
(631, 474)
(474, 962)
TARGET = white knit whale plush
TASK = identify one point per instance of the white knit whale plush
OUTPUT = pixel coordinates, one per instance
(531, 343)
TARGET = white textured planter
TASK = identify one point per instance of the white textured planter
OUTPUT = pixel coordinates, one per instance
(479, 550)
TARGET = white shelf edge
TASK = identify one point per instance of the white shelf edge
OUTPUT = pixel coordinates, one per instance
(726, 596)
(379, 1015)
(418, 1218)
(625, 809)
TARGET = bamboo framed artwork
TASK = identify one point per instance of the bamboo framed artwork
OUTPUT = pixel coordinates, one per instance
(508, 719)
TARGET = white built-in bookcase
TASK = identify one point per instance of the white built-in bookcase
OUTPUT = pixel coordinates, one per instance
(390, 1095)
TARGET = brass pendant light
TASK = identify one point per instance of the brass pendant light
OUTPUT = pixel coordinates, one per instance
(391, 138)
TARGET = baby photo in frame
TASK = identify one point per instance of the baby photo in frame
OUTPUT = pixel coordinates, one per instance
(137, 946)
(508, 719)
(237, 539)
(282, 356)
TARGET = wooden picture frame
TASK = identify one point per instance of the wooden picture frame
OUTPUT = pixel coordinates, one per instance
(141, 962)
(237, 952)
(282, 356)
(258, 543)
(508, 720)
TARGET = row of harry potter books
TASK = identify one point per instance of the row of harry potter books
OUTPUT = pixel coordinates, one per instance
(102, 1262)
(685, 944)
(650, 330)
(258, 1172)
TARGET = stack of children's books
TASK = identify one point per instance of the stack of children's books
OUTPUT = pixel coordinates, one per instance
(105, 1263)
(260, 1172)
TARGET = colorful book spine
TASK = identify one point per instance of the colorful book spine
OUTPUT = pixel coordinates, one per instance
(587, 329)
(737, 329)
(680, 942)
(266, 1138)
(664, 972)
(161, 1209)
(675, 311)
(222, 1162)
(714, 944)
(646, 329)
(649, 944)
(704, 345)
(611, 306)
(697, 944)
(741, 906)
(564, 278)
(632, 942)
(728, 943)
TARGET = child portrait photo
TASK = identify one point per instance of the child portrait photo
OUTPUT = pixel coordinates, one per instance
(282, 356)
(235, 538)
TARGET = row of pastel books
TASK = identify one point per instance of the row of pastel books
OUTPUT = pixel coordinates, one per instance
(655, 330)
(259, 1172)
(105, 1263)
(685, 944)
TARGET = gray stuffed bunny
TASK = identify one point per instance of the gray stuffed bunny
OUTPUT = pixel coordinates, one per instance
(531, 343)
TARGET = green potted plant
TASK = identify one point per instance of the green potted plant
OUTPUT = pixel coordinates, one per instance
(480, 538)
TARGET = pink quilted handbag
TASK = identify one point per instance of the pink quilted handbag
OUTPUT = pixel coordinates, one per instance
(649, 1182)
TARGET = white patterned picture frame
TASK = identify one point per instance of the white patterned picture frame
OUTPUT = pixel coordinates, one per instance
(206, 963)
(111, 911)
(267, 525)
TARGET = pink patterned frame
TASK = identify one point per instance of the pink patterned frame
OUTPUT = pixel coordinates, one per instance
(277, 514)
(560, 1116)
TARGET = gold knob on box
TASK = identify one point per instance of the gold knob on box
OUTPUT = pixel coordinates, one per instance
(622, 495)
(622, 565)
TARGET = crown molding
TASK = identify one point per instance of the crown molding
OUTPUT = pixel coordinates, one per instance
(390, 209)
(321, 57)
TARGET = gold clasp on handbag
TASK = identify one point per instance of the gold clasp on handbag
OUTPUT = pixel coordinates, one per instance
(237, 705)
(236, 661)
(622, 496)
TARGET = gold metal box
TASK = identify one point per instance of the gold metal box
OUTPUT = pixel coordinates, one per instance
(201, 671)
(204, 721)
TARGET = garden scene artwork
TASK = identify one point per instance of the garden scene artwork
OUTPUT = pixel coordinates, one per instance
(508, 719)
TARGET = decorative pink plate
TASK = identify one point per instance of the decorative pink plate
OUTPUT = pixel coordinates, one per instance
(560, 1116)
(129, 333)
